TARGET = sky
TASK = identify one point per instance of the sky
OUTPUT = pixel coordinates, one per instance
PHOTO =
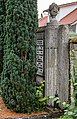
(44, 4)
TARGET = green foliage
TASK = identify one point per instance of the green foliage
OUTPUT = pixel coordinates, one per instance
(39, 96)
(2, 34)
(70, 112)
(72, 34)
(19, 69)
(64, 117)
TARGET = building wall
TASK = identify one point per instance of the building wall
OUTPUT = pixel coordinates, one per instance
(65, 10)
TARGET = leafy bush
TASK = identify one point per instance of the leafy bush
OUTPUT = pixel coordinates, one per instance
(19, 69)
(39, 96)
(70, 112)
(2, 34)
(41, 99)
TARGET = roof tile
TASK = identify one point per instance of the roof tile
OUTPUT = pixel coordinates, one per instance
(43, 21)
(70, 18)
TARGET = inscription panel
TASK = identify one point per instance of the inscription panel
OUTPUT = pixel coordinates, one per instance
(40, 35)
(40, 53)
(39, 42)
(39, 58)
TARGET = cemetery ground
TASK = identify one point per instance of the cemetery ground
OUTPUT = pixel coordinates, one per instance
(7, 113)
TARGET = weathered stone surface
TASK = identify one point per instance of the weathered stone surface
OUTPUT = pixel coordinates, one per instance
(55, 59)
(42, 116)
(51, 44)
(53, 10)
(63, 63)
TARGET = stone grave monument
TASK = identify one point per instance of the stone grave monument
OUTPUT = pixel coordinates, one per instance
(53, 56)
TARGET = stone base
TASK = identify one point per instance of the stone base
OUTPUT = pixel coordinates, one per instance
(41, 116)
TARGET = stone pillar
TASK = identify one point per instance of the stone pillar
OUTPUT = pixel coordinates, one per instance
(56, 57)
(56, 61)
(51, 44)
(63, 63)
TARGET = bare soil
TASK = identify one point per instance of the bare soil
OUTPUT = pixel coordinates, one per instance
(7, 113)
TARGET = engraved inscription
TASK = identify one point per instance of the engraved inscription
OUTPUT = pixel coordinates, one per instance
(40, 53)
(39, 42)
(39, 58)
(40, 71)
(40, 64)
(40, 36)
(39, 48)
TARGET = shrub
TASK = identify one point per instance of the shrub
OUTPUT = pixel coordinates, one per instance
(19, 70)
(2, 34)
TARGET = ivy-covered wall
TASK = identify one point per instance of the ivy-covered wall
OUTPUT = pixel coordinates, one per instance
(19, 69)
